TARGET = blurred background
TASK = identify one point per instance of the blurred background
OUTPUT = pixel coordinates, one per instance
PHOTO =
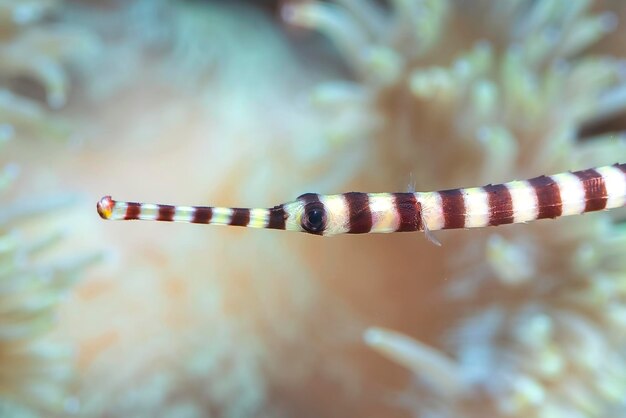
(252, 103)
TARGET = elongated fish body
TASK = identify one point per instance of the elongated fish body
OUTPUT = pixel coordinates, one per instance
(563, 194)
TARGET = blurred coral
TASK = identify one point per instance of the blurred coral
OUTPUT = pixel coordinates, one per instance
(36, 369)
(192, 102)
(37, 50)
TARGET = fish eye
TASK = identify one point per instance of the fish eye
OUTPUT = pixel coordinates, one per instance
(314, 218)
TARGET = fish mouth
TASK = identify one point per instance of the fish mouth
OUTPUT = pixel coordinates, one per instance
(105, 207)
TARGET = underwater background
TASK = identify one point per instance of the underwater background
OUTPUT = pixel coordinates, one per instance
(252, 103)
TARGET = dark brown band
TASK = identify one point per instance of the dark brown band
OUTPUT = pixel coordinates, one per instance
(500, 204)
(360, 216)
(409, 211)
(595, 189)
(548, 197)
(277, 218)
(453, 207)
(240, 217)
(132, 211)
(166, 213)
(202, 215)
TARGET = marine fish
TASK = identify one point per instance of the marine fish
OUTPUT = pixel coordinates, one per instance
(563, 194)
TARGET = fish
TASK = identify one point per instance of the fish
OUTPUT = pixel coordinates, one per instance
(543, 197)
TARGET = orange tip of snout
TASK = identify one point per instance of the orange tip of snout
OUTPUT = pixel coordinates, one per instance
(105, 207)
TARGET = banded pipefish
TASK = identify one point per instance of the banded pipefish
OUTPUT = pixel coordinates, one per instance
(563, 194)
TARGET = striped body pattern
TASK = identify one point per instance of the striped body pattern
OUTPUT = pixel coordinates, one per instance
(563, 194)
